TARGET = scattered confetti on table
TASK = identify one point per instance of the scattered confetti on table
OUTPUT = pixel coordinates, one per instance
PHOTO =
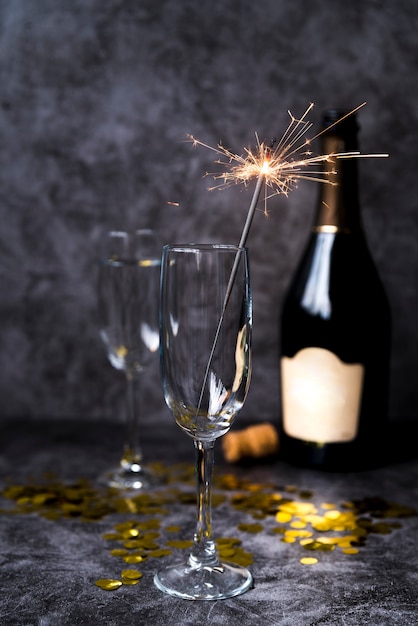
(145, 530)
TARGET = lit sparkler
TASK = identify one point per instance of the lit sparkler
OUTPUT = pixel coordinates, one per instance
(279, 166)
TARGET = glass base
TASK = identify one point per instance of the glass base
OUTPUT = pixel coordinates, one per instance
(204, 582)
(128, 480)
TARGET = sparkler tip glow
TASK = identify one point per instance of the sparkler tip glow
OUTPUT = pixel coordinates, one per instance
(265, 167)
(282, 163)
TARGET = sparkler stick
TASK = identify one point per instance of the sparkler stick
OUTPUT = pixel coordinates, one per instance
(244, 235)
(246, 230)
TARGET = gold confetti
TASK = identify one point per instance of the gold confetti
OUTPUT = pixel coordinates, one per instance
(111, 536)
(133, 558)
(309, 560)
(42, 498)
(130, 581)
(332, 515)
(305, 542)
(226, 553)
(350, 551)
(140, 543)
(298, 533)
(288, 539)
(323, 528)
(381, 527)
(132, 532)
(328, 540)
(318, 545)
(347, 540)
(230, 550)
(217, 499)
(305, 494)
(157, 554)
(109, 584)
(241, 557)
(229, 541)
(291, 488)
(118, 552)
(132, 574)
(151, 524)
(187, 498)
(251, 528)
(298, 524)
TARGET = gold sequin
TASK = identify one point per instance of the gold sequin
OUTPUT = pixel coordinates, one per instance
(332, 515)
(298, 524)
(132, 574)
(228, 541)
(130, 581)
(133, 558)
(298, 533)
(109, 584)
(225, 553)
(251, 528)
(118, 552)
(157, 554)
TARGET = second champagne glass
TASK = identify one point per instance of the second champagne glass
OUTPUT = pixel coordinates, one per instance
(128, 310)
(205, 336)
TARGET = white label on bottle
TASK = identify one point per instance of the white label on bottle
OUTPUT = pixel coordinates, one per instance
(321, 396)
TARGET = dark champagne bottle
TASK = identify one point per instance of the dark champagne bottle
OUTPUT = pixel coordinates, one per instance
(335, 329)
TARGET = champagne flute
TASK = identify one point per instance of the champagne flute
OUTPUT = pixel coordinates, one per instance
(205, 337)
(128, 310)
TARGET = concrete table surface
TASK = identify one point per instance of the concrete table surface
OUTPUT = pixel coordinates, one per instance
(51, 557)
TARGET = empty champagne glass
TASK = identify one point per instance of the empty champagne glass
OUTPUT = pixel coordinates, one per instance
(205, 335)
(128, 311)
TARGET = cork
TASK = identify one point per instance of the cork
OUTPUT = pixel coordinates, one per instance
(256, 442)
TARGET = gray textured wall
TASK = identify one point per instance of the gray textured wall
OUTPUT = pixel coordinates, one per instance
(96, 99)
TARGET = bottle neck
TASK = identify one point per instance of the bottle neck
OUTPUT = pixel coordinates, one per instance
(338, 208)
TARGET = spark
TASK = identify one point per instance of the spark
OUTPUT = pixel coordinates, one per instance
(281, 166)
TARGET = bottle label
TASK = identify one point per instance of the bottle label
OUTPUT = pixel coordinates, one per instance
(321, 396)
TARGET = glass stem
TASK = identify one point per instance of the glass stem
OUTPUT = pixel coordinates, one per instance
(132, 454)
(204, 550)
